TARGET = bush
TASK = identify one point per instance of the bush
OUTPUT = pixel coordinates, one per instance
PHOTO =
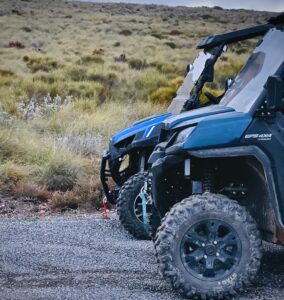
(85, 89)
(49, 78)
(137, 64)
(60, 174)
(86, 144)
(164, 95)
(158, 35)
(87, 59)
(11, 173)
(175, 32)
(38, 89)
(77, 73)
(89, 191)
(165, 67)
(99, 51)
(46, 64)
(7, 78)
(171, 45)
(4, 73)
(27, 188)
(64, 201)
(8, 102)
(106, 79)
(116, 44)
(215, 92)
(35, 108)
(125, 32)
(148, 81)
(241, 51)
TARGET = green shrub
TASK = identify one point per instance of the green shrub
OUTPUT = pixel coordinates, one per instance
(59, 173)
(164, 95)
(214, 91)
(148, 81)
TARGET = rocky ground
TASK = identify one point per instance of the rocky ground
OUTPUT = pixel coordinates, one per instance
(88, 257)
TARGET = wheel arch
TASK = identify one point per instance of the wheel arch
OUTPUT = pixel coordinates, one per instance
(262, 158)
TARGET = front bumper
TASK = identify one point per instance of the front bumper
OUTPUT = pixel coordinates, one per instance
(105, 174)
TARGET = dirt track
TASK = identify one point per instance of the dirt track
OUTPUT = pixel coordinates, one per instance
(90, 258)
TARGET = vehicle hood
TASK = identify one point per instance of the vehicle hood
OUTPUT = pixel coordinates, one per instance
(141, 125)
(193, 116)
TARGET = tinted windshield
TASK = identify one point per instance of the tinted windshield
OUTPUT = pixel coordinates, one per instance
(192, 76)
(264, 61)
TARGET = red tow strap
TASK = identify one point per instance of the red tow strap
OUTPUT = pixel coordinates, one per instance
(105, 207)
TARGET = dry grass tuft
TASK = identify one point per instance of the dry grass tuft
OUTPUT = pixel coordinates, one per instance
(64, 201)
(46, 64)
(137, 64)
(29, 189)
(125, 32)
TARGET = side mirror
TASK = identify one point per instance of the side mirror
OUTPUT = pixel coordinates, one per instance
(188, 69)
(228, 82)
(274, 87)
(225, 49)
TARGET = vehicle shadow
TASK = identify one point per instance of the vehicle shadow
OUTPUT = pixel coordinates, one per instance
(272, 268)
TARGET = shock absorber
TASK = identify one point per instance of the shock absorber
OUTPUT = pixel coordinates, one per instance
(208, 180)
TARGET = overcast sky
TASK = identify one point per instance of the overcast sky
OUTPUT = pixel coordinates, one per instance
(270, 5)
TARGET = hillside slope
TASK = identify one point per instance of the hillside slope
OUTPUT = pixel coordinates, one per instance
(72, 74)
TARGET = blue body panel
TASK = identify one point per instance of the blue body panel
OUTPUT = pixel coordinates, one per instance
(143, 125)
(218, 130)
(196, 113)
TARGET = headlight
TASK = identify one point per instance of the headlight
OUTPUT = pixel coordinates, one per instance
(183, 135)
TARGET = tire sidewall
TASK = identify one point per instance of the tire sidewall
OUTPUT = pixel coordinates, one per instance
(137, 186)
(227, 282)
(125, 206)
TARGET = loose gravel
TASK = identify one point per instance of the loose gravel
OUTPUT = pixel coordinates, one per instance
(87, 257)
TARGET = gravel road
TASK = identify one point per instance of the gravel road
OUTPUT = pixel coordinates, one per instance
(90, 258)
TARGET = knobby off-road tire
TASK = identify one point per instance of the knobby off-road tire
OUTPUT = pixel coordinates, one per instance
(125, 206)
(173, 245)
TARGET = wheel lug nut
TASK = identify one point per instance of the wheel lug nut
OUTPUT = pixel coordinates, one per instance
(217, 254)
(215, 242)
(203, 245)
(205, 256)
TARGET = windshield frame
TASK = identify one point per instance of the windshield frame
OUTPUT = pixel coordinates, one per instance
(189, 82)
